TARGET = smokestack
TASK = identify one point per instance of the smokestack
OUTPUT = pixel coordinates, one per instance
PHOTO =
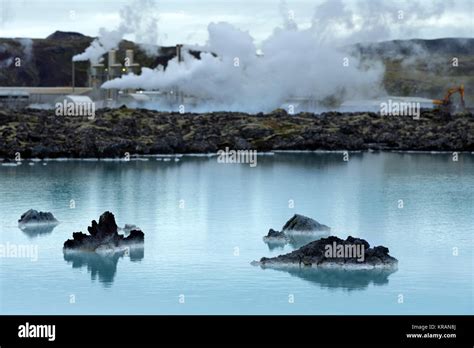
(114, 70)
(96, 79)
(179, 49)
(130, 64)
(179, 54)
(112, 57)
(129, 57)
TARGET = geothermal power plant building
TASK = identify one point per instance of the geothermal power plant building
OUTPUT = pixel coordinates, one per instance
(98, 74)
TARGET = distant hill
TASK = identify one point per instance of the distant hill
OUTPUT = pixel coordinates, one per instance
(425, 68)
(413, 67)
(445, 46)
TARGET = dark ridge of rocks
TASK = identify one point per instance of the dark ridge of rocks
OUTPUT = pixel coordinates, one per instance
(301, 223)
(315, 254)
(113, 132)
(103, 236)
(34, 217)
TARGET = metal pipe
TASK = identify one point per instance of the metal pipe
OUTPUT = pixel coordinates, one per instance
(179, 49)
(112, 58)
(130, 57)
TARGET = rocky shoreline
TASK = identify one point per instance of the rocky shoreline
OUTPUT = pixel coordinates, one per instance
(115, 132)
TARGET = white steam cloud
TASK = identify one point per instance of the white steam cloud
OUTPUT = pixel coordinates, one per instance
(137, 18)
(5, 63)
(296, 63)
(27, 46)
(369, 21)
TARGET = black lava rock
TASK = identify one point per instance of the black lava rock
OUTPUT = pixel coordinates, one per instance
(276, 237)
(103, 235)
(300, 223)
(37, 217)
(335, 252)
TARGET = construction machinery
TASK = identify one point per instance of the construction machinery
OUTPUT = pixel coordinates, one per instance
(447, 104)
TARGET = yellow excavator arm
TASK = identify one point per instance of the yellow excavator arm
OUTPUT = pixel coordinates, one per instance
(446, 102)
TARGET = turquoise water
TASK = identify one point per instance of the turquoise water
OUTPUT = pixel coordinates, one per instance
(204, 222)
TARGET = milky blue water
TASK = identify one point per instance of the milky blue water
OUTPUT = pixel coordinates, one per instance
(204, 222)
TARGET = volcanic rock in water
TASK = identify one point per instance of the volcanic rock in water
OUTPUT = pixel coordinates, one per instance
(37, 218)
(103, 236)
(300, 223)
(276, 237)
(333, 252)
(129, 228)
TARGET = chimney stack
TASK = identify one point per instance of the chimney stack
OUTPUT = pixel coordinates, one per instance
(112, 57)
(179, 55)
(130, 64)
(129, 56)
(114, 70)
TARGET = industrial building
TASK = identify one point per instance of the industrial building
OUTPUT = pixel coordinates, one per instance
(98, 74)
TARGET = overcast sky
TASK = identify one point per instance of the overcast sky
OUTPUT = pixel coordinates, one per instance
(186, 20)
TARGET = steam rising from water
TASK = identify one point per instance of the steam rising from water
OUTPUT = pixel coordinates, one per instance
(296, 63)
(230, 76)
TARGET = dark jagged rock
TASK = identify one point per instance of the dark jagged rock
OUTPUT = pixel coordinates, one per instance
(276, 237)
(300, 223)
(106, 226)
(103, 236)
(135, 236)
(34, 217)
(333, 252)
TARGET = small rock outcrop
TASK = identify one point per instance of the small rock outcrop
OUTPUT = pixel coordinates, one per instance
(128, 228)
(297, 225)
(276, 237)
(300, 223)
(34, 217)
(333, 252)
(103, 236)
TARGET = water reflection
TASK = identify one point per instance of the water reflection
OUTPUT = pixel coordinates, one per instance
(347, 280)
(275, 245)
(33, 231)
(103, 266)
